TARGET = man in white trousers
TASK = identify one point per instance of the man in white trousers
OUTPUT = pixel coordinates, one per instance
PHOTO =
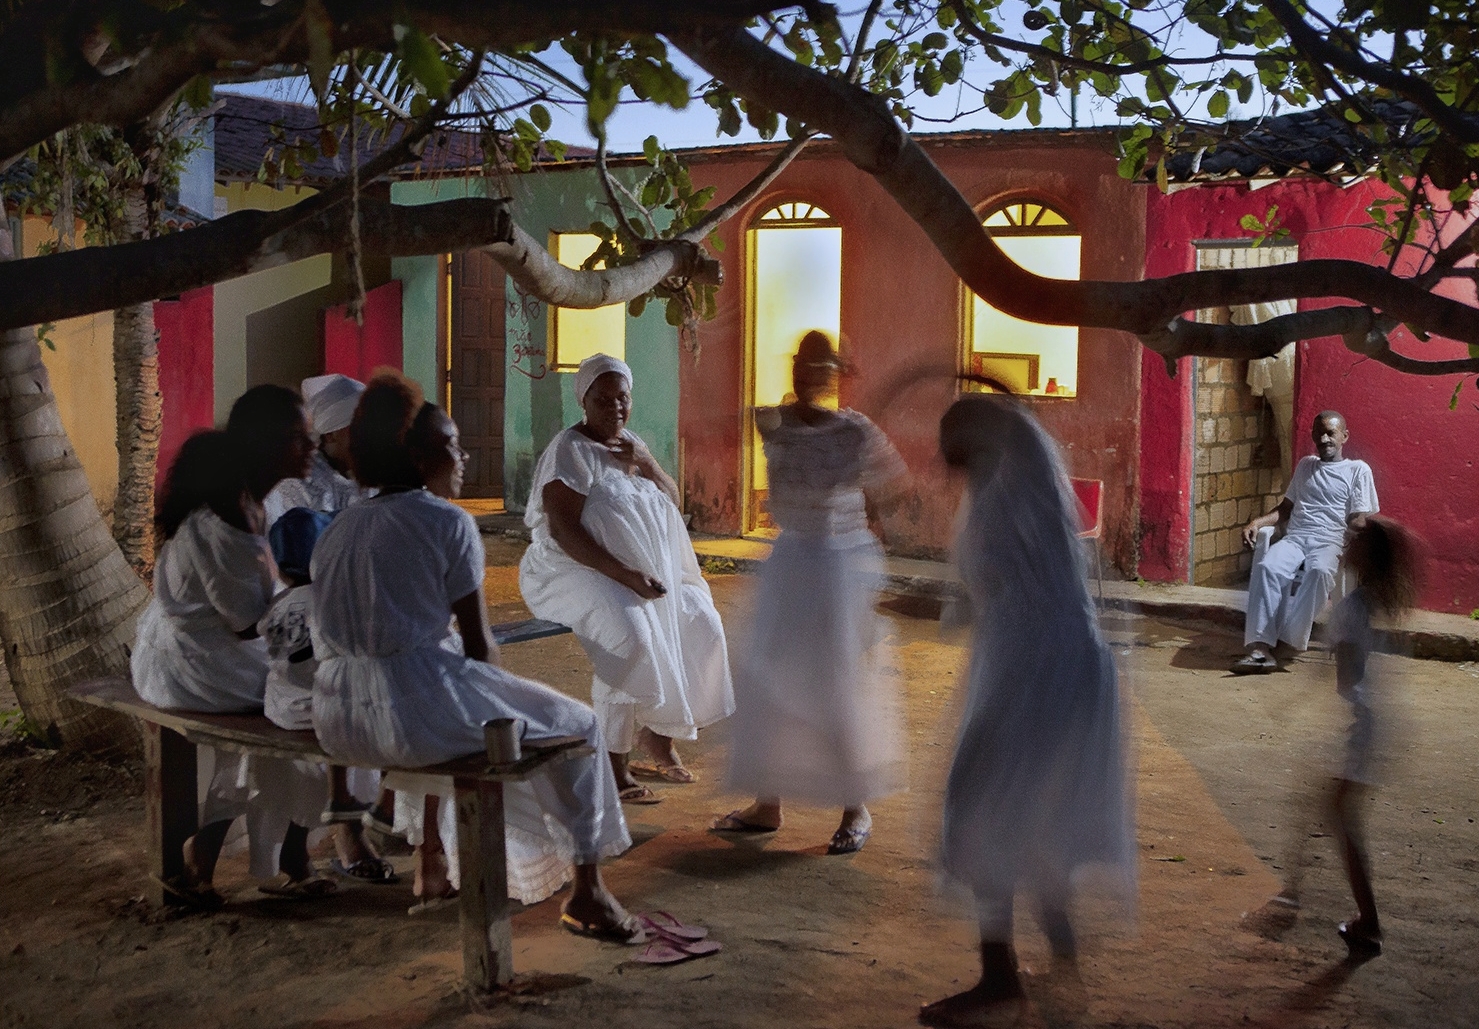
(1327, 495)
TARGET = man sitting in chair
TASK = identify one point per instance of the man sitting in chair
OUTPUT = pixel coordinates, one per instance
(1327, 495)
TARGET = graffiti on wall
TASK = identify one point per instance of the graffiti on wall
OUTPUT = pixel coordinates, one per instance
(528, 356)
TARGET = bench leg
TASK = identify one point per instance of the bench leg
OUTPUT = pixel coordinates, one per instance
(487, 943)
(170, 804)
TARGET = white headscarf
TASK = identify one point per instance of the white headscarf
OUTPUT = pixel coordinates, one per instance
(331, 400)
(595, 366)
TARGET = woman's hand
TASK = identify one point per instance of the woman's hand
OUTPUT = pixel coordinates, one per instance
(632, 452)
(643, 585)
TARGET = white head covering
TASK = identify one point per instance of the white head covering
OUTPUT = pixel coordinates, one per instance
(331, 400)
(595, 366)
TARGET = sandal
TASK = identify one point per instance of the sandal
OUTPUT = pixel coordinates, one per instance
(638, 794)
(1361, 941)
(848, 841)
(628, 932)
(426, 905)
(1255, 664)
(310, 887)
(349, 811)
(377, 819)
(732, 822)
(370, 870)
(666, 772)
(196, 896)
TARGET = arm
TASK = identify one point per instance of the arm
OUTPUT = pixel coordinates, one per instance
(633, 451)
(563, 506)
(472, 625)
(1274, 517)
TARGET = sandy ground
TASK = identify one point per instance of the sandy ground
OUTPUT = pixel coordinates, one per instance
(1230, 776)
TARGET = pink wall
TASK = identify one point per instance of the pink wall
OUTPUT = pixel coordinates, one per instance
(357, 350)
(187, 370)
(901, 309)
(1419, 450)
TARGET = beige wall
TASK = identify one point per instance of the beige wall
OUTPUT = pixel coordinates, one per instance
(81, 371)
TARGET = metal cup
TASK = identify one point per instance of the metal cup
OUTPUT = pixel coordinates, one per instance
(501, 737)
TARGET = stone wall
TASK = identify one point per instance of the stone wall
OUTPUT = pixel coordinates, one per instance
(1236, 476)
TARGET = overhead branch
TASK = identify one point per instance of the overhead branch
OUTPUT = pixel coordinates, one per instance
(1321, 48)
(79, 282)
(874, 141)
(747, 193)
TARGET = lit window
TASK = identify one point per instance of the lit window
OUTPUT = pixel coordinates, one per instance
(1041, 360)
(577, 334)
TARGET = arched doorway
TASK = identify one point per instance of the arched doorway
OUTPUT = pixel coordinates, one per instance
(794, 284)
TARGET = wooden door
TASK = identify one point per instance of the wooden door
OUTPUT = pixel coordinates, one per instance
(476, 375)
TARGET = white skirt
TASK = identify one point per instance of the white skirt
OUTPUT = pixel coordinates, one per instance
(817, 716)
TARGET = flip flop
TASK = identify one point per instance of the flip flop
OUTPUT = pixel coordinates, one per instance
(426, 905)
(353, 811)
(639, 795)
(667, 925)
(667, 773)
(1262, 664)
(669, 951)
(732, 822)
(848, 841)
(377, 819)
(310, 887)
(1360, 941)
(370, 870)
(197, 896)
(628, 933)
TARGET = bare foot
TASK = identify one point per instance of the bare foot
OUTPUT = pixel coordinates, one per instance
(659, 748)
(431, 875)
(597, 912)
(762, 813)
(192, 873)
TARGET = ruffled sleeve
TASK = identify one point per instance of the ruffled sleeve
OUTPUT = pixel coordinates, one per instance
(882, 464)
(236, 571)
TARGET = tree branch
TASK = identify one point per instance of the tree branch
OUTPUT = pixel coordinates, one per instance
(874, 141)
(1320, 49)
(749, 191)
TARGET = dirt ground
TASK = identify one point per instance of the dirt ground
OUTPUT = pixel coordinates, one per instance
(1230, 778)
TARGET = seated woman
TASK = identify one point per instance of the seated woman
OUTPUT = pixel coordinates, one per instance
(611, 559)
(388, 576)
(197, 648)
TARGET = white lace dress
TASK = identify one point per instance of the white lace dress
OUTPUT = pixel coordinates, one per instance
(658, 663)
(322, 489)
(817, 717)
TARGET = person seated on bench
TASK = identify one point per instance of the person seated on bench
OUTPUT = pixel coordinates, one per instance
(388, 575)
(288, 702)
(197, 647)
(1328, 493)
(611, 558)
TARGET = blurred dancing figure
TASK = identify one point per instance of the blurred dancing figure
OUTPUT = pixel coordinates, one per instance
(1037, 793)
(1384, 558)
(816, 720)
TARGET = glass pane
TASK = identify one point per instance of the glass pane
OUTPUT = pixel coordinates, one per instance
(1054, 346)
(581, 333)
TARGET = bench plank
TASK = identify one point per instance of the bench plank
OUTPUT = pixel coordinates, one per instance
(526, 630)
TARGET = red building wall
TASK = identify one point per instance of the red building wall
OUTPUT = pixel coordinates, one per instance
(901, 310)
(1419, 450)
(355, 349)
(187, 370)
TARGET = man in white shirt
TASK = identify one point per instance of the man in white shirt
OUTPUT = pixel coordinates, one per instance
(1327, 494)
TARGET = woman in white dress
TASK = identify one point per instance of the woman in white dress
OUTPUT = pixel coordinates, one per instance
(817, 719)
(1037, 795)
(197, 648)
(389, 575)
(611, 558)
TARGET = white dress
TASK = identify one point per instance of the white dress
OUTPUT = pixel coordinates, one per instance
(388, 693)
(322, 489)
(1037, 793)
(212, 580)
(658, 663)
(818, 718)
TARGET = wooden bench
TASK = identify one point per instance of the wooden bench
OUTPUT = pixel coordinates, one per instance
(172, 812)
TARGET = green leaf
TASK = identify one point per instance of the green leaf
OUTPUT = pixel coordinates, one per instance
(1217, 104)
(650, 148)
(935, 41)
(422, 60)
(539, 115)
(525, 130)
(674, 313)
(637, 306)
(1162, 180)
(1453, 400)
(318, 26)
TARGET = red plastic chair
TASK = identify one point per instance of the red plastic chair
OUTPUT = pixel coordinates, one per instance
(1090, 494)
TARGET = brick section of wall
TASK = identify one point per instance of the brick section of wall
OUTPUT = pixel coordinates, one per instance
(1236, 475)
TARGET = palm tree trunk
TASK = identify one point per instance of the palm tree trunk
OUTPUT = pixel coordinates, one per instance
(136, 381)
(68, 599)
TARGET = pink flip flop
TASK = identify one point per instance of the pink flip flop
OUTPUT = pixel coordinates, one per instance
(664, 924)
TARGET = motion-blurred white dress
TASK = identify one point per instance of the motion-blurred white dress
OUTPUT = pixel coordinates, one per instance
(1037, 792)
(212, 580)
(818, 719)
(389, 693)
(658, 663)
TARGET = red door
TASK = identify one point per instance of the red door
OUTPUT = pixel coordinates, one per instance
(476, 376)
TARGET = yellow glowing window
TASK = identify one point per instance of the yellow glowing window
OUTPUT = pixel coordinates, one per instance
(1041, 360)
(577, 334)
(794, 259)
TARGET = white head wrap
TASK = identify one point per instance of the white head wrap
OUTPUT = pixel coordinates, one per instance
(595, 366)
(331, 400)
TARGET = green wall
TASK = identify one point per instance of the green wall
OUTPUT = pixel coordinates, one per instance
(539, 401)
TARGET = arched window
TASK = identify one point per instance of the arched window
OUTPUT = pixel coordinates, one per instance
(1036, 359)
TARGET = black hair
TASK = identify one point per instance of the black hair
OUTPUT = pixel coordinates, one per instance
(205, 472)
(1386, 559)
(260, 424)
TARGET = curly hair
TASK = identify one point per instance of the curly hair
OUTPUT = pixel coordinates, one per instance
(205, 472)
(1386, 559)
(388, 435)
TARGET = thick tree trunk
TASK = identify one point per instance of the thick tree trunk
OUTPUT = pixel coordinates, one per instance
(136, 382)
